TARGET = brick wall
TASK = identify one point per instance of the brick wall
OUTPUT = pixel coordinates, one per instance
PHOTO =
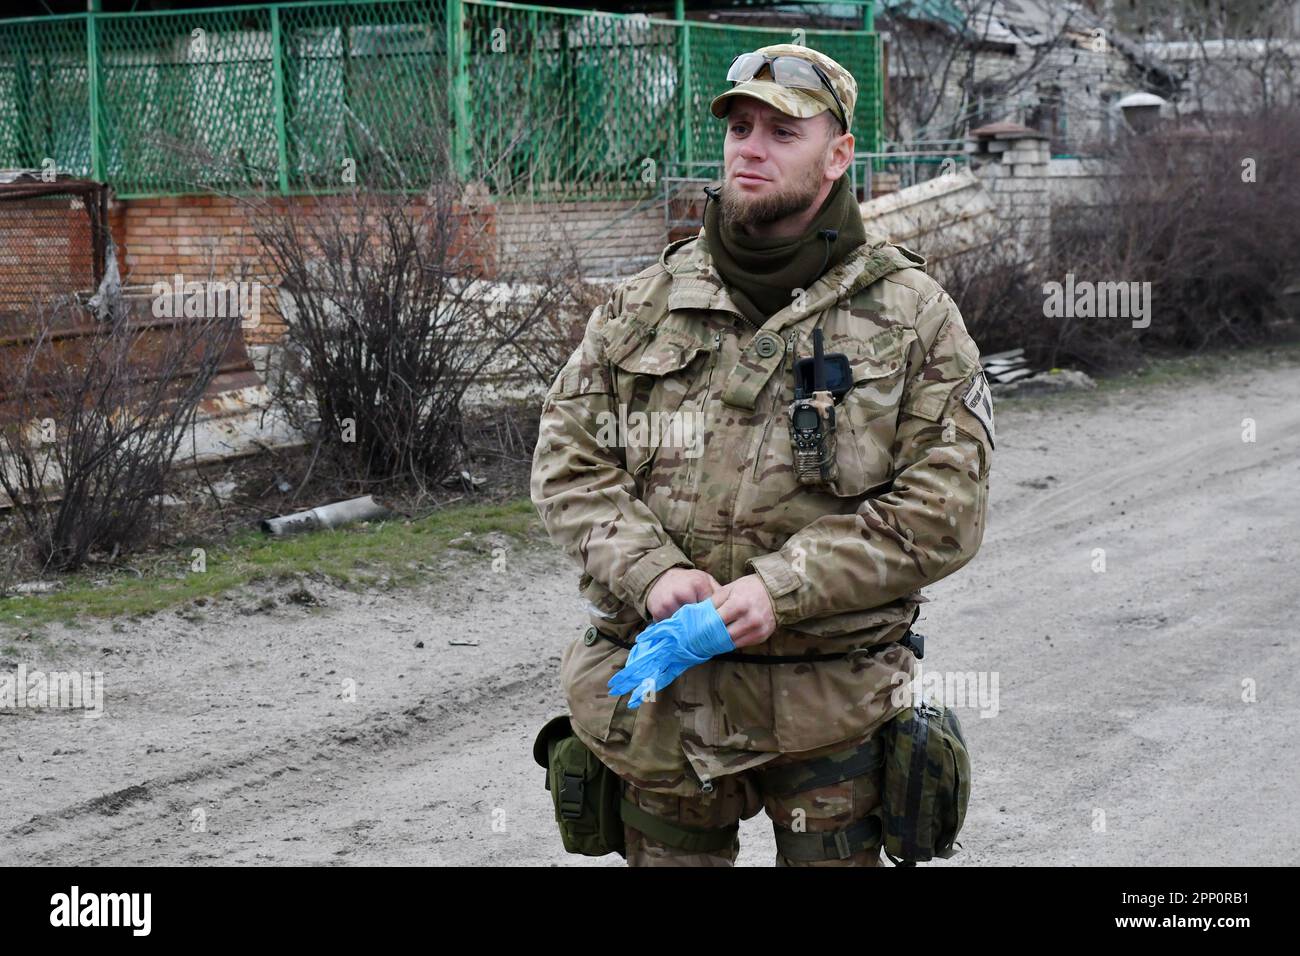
(205, 237)
(212, 237)
(606, 238)
(1030, 188)
(45, 251)
(1014, 170)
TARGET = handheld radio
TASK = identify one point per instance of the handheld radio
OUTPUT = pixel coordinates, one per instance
(812, 413)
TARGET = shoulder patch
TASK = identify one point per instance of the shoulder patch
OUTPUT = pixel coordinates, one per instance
(979, 399)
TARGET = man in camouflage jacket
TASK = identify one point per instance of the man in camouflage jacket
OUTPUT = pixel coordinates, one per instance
(701, 499)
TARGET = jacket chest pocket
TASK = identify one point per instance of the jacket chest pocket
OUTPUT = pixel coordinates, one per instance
(662, 383)
(867, 423)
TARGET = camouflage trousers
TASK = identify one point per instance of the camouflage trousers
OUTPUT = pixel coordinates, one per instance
(740, 796)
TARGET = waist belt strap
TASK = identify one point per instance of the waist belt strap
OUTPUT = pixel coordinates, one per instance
(824, 771)
(834, 845)
(691, 839)
(911, 640)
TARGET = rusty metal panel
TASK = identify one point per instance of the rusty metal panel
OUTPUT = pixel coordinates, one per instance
(54, 239)
(72, 340)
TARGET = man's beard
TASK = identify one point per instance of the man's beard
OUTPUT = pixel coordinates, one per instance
(741, 210)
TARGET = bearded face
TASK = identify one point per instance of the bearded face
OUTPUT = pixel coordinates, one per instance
(776, 165)
(741, 207)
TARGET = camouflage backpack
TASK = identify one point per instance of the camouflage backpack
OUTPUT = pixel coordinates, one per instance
(927, 784)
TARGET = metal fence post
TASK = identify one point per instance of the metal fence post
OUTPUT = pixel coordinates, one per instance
(687, 128)
(877, 109)
(25, 128)
(458, 74)
(92, 83)
(878, 45)
(277, 87)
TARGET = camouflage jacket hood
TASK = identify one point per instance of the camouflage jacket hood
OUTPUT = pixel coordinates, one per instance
(843, 563)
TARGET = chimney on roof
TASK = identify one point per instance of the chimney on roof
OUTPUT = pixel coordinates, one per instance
(1141, 111)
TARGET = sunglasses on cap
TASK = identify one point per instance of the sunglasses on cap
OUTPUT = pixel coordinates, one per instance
(790, 71)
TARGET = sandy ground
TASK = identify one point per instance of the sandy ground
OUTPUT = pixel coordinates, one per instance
(325, 735)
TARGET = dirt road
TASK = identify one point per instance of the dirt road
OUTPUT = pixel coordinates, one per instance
(1145, 713)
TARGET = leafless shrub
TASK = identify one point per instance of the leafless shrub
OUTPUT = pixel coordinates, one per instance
(405, 312)
(398, 314)
(92, 413)
(994, 287)
(1211, 221)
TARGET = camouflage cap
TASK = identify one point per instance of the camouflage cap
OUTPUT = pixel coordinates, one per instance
(793, 102)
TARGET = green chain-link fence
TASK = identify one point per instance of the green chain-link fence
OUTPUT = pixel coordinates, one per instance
(310, 97)
(713, 49)
(556, 98)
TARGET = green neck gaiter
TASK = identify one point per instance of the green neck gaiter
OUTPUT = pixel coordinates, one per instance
(765, 272)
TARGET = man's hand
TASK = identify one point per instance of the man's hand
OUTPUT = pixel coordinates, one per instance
(676, 587)
(746, 608)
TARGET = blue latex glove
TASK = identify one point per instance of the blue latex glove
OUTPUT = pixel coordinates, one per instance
(665, 649)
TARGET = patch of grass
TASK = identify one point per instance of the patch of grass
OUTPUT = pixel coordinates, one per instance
(1170, 370)
(393, 553)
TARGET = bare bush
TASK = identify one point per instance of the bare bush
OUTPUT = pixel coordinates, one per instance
(994, 287)
(397, 314)
(92, 414)
(1208, 219)
(404, 312)
(1211, 220)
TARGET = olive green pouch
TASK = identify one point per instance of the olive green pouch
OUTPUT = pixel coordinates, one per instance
(585, 792)
(926, 786)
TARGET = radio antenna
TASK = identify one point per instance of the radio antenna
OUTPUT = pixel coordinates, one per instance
(819, 363)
